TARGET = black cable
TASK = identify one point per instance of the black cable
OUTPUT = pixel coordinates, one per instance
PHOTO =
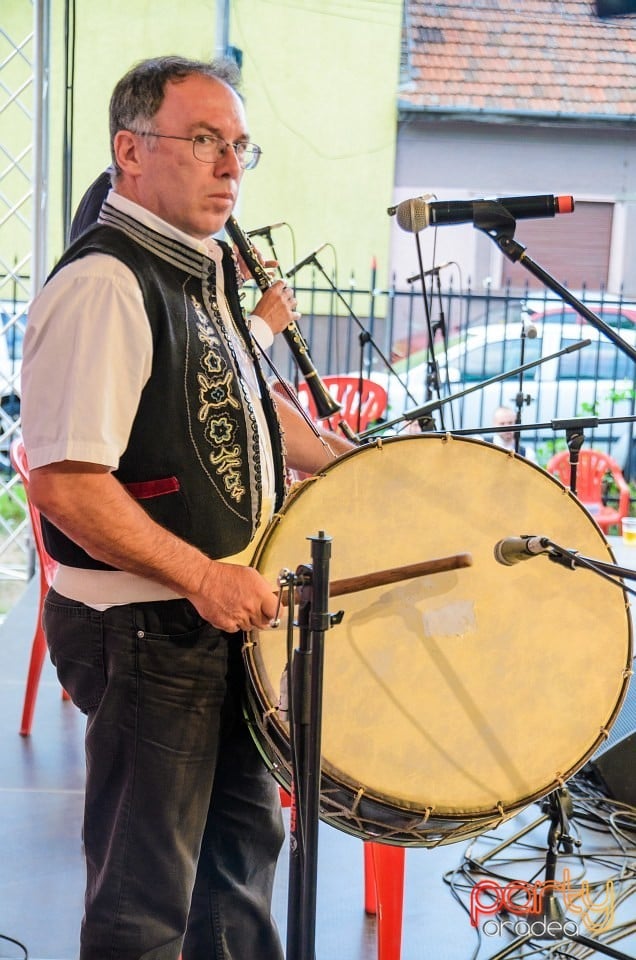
(18, 943)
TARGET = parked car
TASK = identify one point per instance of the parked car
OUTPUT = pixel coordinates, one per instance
(12, 324)
(480, 311)
(476, 312)
(619, 317)
(595, 380)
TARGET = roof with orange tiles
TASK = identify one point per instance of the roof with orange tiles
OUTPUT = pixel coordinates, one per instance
(554, 58)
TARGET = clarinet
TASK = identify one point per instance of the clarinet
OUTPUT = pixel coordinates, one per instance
(326, 406)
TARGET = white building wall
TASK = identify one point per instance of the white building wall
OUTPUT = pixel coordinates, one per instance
(456, 159)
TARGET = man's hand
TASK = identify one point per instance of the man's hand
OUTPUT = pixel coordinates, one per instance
(90, 505)
(233, 597)
(277, 307)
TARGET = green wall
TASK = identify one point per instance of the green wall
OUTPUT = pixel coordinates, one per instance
(320, 83)
(321, 86)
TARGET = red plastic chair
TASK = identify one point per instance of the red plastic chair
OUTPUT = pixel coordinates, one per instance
(592, 469)
(383, 891)
(358, 409)
(48, 566)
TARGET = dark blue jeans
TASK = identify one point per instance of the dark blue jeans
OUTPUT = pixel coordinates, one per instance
(182, 826)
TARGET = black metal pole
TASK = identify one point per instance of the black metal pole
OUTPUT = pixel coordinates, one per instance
(307, 679)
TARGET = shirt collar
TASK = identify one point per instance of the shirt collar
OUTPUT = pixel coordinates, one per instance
(209, 247)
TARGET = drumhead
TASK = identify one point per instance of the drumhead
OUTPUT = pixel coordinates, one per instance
(454, 700)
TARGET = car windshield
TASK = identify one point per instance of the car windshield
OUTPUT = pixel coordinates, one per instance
(490, 359)
(604, 362)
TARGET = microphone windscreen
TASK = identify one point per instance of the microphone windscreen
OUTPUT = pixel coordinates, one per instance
(412, 215)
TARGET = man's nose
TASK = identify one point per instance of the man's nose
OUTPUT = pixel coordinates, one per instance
(228, 164)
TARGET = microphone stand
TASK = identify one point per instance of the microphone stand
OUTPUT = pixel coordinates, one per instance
(558, 804)
(266, 233)
(521, 399)
(305, 736)
(494, 220)
(432, 376)
(572, 559)
(558, 807)
(365, 336)
(432, 371)
(305, 719)
(424, 412)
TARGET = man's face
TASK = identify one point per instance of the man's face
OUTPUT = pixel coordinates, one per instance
(505, 419)
(168, 180)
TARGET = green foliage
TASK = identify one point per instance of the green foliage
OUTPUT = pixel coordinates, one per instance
(13, 504)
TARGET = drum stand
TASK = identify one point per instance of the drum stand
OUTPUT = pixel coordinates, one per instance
(305, 719)
(305, 725)
(552, 919)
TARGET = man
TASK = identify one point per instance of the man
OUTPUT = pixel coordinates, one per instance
(505, 417)
(156, 458)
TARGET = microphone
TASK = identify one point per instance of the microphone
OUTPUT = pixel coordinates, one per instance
(513, 549)
(393, 210)
(431, 272)
(265, 231)
(529, 331)
(308, 259)
(415, 215)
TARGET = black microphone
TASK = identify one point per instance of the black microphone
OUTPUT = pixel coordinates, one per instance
(513, 549)
(415, 215)
(308, 259)
(265, 231)
(430, 273)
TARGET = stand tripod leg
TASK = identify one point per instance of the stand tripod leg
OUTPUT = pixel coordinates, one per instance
(599, 947)
(515, 945)
(480, 861)
(552, 917)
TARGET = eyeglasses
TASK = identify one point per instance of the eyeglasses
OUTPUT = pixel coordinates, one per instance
(210, 149)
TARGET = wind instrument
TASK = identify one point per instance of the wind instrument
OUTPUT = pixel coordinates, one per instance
(326, 406)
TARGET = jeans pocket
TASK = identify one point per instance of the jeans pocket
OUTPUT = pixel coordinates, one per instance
(74, 637)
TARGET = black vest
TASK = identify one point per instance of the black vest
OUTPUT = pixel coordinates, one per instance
(193, 459)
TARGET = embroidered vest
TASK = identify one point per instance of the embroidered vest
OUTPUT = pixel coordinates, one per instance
(194, 458)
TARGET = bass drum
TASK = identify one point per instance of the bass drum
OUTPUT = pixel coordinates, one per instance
(454, 700)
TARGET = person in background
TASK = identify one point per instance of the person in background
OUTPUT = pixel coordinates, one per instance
(505, 417)
(157, 459)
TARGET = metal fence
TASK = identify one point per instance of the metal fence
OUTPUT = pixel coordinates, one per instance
(19, 111)
(385, 334)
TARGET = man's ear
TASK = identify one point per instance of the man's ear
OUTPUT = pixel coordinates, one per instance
(126, 148)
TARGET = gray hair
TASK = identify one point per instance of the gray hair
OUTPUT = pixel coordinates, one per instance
(139, 94)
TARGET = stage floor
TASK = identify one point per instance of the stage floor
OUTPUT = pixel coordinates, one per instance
(42, 873)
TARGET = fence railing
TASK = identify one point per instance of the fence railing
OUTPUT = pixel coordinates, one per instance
(386, 334)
